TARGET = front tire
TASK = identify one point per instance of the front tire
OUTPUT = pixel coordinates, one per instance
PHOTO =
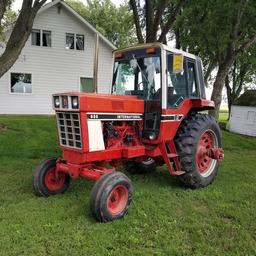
(111, 197)
(198, 133)
(45, 182)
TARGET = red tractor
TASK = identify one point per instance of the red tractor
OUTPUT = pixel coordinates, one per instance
(151, 118)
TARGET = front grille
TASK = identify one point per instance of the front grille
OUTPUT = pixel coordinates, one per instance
(69, 129)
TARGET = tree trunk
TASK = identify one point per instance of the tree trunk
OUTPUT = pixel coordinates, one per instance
(170, 21)
(149, 15)
(177, 37)
(219, 84)
(19, 35)
(208, 72)
(229, 95)
(3, 6)
(137, 21)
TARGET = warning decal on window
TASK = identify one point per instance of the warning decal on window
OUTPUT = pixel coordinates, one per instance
(177, 63)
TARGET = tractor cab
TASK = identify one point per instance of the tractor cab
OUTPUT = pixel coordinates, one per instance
(162, 76)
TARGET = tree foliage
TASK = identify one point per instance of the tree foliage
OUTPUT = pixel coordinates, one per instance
(241, 76)
(8, 20)
(155, 19)
(220, 32)
(114, 22)
(20, 31)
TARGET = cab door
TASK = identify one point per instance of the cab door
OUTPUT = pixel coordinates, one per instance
(152, 119)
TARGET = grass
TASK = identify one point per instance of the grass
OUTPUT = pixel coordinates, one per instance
(223, 116)
(164, 218)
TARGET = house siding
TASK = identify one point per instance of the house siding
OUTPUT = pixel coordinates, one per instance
(55, 69)
(243, 120)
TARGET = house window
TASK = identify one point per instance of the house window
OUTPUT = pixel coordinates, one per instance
(41, 38)
(86, 84)
(36, 37)
(70, 40)
(21, 83)
(80, 42)
(47, 39)
(74, 41)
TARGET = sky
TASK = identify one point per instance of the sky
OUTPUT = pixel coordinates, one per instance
(17, 3)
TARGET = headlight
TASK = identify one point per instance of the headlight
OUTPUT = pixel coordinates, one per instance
(56, 100)
(75, 102)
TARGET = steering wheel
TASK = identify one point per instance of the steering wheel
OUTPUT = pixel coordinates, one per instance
(178, 101)
(138, 84)
(152, 90)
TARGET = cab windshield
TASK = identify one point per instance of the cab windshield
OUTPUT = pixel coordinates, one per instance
(140, 76)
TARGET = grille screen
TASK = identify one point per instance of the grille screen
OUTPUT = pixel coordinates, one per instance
(69, 129)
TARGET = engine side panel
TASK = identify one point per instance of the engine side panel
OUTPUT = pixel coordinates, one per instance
(96, 142)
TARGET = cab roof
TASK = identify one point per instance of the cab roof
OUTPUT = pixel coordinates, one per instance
(156, 45)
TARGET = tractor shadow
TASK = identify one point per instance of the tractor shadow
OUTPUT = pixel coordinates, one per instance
(160, 178)
(80, 190)
(79, 193)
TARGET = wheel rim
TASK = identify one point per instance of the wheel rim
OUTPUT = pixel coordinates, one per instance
(117, 200)
(52, 182)
(205, 164)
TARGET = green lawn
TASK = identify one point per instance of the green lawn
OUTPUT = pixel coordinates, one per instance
(164, 218)
(223, 116)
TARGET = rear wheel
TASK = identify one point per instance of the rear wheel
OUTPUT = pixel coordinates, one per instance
(148, 165)
(111, 197)
(198, 134)
(45, 181)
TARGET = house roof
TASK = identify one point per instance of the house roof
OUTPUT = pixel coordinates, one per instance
(247, 99)
(79, 17)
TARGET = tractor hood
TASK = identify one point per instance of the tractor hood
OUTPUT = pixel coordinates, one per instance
(101, 103)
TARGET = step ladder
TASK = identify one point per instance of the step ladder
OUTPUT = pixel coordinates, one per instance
(171, 158)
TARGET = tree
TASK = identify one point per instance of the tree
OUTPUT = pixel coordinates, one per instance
(114, 22)
(155, 19)
(20, 31)
(8, 20)
(219, 31)
(241, 75)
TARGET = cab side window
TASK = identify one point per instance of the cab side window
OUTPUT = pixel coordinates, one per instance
(176, 84)
(192, 82)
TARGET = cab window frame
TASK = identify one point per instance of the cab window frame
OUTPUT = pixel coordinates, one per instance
(190, 96)
(185, 69)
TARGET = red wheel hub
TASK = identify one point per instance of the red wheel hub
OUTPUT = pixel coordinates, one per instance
(205, 143)
(53, 182)
(117, 199)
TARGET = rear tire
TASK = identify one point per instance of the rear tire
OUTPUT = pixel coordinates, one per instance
(197, 131)
(44, 181)
(111, 197)
(143, 167)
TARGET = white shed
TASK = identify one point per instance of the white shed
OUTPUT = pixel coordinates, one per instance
(58, 57)
(243, 114)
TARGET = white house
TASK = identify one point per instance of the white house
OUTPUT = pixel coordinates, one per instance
(58, 57)
(243, 114)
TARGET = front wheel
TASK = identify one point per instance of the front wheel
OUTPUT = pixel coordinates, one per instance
(197, 135)
(45, 181)
(111, 197)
